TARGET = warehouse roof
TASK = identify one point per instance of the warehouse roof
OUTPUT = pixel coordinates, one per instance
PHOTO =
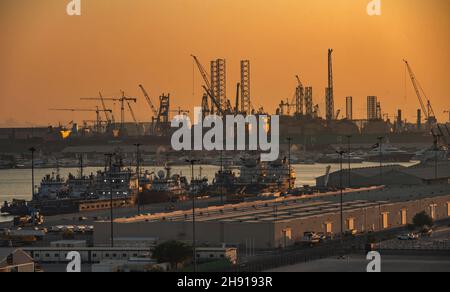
(428, 172)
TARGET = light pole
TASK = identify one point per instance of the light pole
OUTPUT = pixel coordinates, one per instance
(289, 139)
(380, 145)
(436, 151)
(32, 150)
(194, 243)
(138, 173)
(341, 154)
(349, 137)
(110, 180)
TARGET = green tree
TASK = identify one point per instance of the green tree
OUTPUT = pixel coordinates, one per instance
(173, 252)
(422, 220)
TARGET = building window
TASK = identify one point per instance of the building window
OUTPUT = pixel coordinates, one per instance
(351, 224)
(329, 227)
(404, 217)
(287, 233)
(448, 209)
(385, 219)
(433, 211)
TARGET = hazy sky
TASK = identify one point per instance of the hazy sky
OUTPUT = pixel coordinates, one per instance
(48, 59)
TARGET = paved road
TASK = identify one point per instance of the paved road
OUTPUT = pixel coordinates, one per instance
(358, 263)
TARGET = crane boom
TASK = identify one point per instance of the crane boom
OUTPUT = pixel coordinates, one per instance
(108, 119)
(202, 72)
(208, 89)
(428, 109)
(149, 101)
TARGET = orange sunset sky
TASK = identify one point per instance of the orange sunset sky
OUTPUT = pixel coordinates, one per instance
(49, 59)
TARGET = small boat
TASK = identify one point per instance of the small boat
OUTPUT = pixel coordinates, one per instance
(388, 153)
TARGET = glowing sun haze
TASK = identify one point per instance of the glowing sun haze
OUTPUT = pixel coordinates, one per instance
(48, 59)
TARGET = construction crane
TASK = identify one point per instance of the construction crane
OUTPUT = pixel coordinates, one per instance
(208, 89)
(149, 101)
(425, 103)
(133, 115)
(97, 112)
(109, 119)
(423, 99)
(122, 101)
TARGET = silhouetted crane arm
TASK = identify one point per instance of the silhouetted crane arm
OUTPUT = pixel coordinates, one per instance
(108, 119)
(149, 101)
(202, 72)
(428, 112)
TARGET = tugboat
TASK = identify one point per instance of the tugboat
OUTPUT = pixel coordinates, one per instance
(165, 188)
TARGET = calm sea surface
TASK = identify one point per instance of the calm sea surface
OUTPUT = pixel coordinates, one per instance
(16, 183)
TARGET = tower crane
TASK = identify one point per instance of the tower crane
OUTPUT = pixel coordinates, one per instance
(122, 101)
(109, 119)
(133, 115)
(97, 112)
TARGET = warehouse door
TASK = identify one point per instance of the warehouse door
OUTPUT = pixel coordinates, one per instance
(404, 217)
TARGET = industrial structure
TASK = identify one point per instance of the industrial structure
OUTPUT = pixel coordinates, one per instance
(301, 118)
(329, 92)
(282, 222)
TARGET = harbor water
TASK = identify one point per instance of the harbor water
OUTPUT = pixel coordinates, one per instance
(16, 183)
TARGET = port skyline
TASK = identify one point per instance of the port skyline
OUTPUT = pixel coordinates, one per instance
(373, 67)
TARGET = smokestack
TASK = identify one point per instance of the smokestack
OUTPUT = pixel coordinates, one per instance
(349, 107)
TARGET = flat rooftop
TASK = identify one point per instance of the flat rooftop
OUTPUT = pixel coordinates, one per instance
(290, 208)
(257, 212)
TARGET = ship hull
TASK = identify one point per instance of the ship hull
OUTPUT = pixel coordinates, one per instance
(154, 197)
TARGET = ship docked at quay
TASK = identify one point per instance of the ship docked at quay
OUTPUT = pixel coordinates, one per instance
(123, 187)
(114, 185)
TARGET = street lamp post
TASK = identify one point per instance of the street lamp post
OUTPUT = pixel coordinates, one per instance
(194, 243)
(138, 173)
(349, 137)
(110, 180)
(289, 139)
(380, 145)
(436, 151)
(32, 150)
(341, 154)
